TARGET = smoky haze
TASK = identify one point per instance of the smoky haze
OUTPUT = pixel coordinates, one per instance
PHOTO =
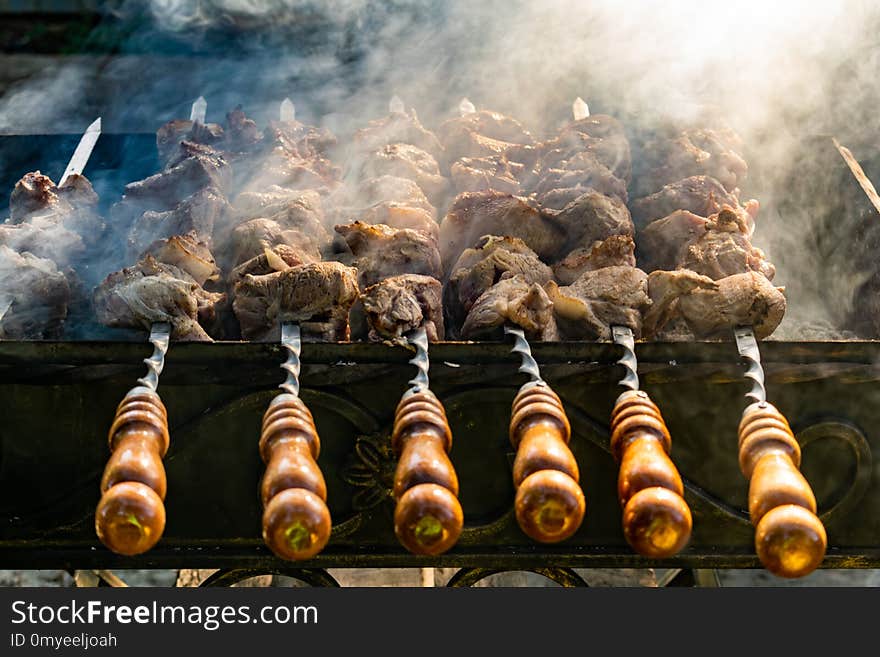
(775, 71)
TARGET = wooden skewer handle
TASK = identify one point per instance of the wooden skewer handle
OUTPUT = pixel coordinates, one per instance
(657, 522)
(428, 517)
(549, 503)
(130, 516)
(789, 538)
(296, 520)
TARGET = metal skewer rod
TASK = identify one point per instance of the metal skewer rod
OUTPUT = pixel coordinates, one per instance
(790, 540)
(199, 110)
(657, 522)
(549, 502)
(83, 151)
(287, 111)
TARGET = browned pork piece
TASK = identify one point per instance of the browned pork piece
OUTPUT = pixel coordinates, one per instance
(482, 134)
(379, 251)
(317, 296)
(592, 217)
(474, 214)
(169, 136)
(555, 187)
(399, 304)
(188, 253)
(197, 213)
(516, 301)
(479, 268)
(36, 199)
(700, 195)
(600, 299)
(724, 249)
(309, 141)
(617, 250)
(477, 174)
(252, 238)
(710, 309)
(691, 152)
(275, 199)
(276, 258)
(193, 168)
(397, 128)
(152, 291)
(396, 202)
(403, 161)
(661, 241)
(598, 138)
(34, 297)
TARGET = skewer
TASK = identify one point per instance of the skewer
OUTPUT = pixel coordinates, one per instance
(549, 503)
(296, 520)
(466, 107)
(790, 540)
(396, 106)
(83, 151)
(287, 111)
(580, 109)
(656, 520)
(199, 110)
(427, 516)
(130, 516)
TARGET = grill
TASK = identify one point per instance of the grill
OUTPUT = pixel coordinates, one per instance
(59, 398)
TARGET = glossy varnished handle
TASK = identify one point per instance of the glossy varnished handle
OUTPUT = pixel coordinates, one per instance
(656, 520)
(789, 538)
(549, 502)
(296, 520)
(130, 516)
(427, 516)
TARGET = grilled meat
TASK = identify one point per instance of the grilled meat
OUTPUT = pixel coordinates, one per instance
(250, 239)
(712, 311)
(152, 291)
(474, 214)
(317, 296)
(479, 268)
(617, 250)
(477, 174)
(592, 217)
(197, 213)
(583, 172)
(397, 305)
(724, 249)
(36, 199)
(170, 135)
(487, 123)
(516, 301)
(34, 297)
(277, 258)
(700, 195)
(600, 299)
(379, 251)
(193, 168)
(598, 137)
(692, 152)
(661, 241)
(188, 253)
(404, 161)
(397, 128)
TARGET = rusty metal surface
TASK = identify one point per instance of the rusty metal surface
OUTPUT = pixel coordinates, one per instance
(57, 400)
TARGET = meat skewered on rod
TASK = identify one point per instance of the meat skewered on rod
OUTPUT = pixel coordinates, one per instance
(130, 517)
(428, 516)
(789, 538)
(296, 521)
(549, 502)
(656, 520)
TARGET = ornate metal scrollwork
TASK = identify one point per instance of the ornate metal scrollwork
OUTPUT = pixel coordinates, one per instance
(470, 576)
(232, 576)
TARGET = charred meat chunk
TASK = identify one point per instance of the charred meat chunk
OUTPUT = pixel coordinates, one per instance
(379, 251)
(397, 128)
(404, 161)
(479, 268)
(617, 250)
(169, 136)
(700, 195)
(151, 291)
(188, 253)
(34, 297)
(197, 214)
(516, 301)
(600, 299)
(317, 296)
(592, 217)
(477, 174)
(474, 214)
(399, 304)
